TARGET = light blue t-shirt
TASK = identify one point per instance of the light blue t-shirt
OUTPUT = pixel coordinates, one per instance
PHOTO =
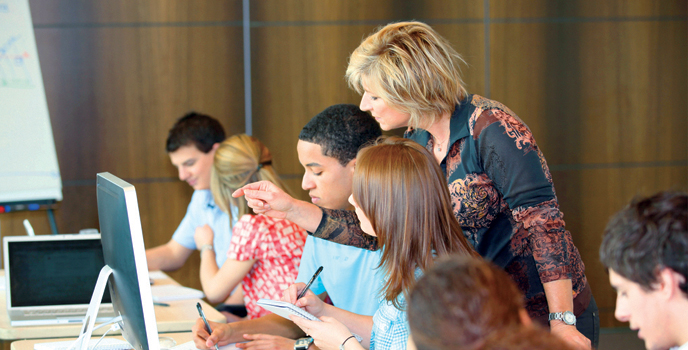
(349, 274)
(203, 210)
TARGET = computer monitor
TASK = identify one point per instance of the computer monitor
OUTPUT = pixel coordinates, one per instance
(125, 254)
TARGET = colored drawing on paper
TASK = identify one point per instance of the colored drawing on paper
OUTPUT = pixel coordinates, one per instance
(14, 59)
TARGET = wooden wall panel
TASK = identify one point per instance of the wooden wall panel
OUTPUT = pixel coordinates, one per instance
(113, 93)
(49, 12)
(382, 11)
(589, 197)
(588, 9)
(607, 100)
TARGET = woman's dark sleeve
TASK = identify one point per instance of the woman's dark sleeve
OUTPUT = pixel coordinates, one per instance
(343, 227)
(518, 169)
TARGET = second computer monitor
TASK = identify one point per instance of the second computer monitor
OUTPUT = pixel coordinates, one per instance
(124, 252)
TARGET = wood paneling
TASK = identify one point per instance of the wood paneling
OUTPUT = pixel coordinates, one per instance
(589, 95)
(589, 197)
(89, 12)
(360, 10)
(560, 9)
(113, 93)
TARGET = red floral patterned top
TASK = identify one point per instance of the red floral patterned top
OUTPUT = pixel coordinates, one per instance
(277, 246)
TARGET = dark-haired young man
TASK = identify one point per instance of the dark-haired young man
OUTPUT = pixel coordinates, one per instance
(191, 145)
(327, 149)
(645, 248)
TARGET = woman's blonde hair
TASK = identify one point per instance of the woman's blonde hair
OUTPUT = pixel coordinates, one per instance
(414, 69)
(402, 191)
(239, 160)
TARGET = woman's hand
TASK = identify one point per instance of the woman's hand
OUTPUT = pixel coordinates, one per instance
(266, 198)
(570, 335)
(328, 334)
(203, 235)
(310, 302)
(266, 342)
(203, 340)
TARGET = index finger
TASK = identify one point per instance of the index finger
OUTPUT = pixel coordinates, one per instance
(289, 295)
(200, 335)
(240, 192)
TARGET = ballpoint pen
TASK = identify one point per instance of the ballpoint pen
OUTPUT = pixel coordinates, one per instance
(207, 325)
(308, 285)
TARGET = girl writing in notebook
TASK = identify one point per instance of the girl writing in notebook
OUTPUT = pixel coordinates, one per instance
(264, 252)
(401, 197)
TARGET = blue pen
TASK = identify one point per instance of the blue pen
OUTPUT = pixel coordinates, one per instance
(200, 312)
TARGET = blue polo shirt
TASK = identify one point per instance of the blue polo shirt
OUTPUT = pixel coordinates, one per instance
(350, 275)
(203, 210)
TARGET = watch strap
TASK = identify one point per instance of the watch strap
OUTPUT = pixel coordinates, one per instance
(303, 343)
(206, 247)
(562, 316)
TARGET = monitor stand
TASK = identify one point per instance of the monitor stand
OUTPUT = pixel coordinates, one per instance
(92, 312)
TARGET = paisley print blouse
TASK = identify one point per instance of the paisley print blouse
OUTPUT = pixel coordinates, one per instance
(503, 197)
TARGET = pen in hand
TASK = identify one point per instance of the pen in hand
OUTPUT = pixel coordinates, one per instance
(207, 326)
(308, 285)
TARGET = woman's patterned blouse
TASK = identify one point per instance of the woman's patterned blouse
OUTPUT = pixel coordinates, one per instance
(503, 197)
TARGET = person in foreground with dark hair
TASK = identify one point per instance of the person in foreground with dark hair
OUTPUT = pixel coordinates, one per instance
(460, 301)
(645, 249)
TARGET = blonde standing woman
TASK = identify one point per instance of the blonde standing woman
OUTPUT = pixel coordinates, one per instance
(264, 252)
(502, 190)
(501, 187)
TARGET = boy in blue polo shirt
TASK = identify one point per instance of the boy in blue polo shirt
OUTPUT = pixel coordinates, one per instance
(191, 145)
(327, 150)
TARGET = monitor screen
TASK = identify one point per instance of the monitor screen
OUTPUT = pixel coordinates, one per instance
(124, 253)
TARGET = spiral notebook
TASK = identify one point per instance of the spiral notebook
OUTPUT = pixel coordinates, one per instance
(285, 309)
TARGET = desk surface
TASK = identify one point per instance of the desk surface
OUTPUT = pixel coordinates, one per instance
(180, 316)
(180, 338)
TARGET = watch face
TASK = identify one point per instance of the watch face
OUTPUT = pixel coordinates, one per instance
(569, 318)
(303, 342)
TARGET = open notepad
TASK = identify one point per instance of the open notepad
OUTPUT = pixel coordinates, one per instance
(285, 309)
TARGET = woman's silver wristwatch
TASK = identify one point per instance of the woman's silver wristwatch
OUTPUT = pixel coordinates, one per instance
(303, 343)
(567, 317)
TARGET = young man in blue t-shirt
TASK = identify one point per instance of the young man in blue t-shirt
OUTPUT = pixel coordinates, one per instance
(191, 145)
(327, 150)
